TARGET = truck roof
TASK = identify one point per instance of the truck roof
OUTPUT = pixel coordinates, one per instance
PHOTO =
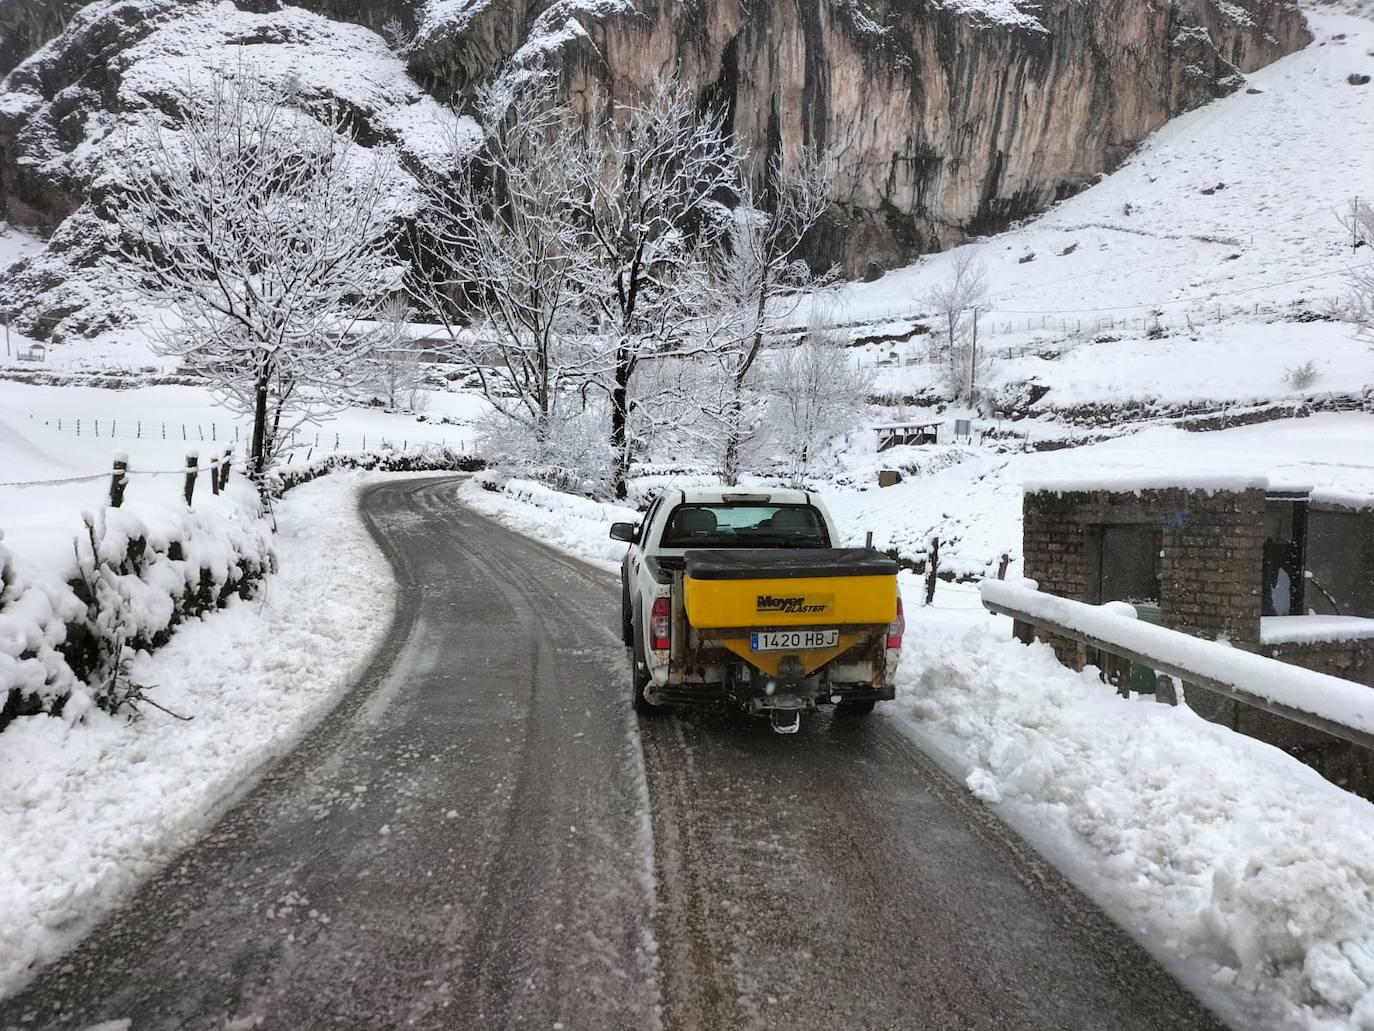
(764, 495)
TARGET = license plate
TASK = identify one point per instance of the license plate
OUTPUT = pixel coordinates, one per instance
(793, 640)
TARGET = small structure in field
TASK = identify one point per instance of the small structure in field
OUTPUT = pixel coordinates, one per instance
(1287, 573)
(892, 434)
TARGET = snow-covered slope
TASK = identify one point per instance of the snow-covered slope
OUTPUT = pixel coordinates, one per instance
(1220, 231)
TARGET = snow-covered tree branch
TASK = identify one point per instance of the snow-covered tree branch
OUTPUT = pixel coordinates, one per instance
(763, 280)
(957, 303)
(1358, 304)
(816, 392)
(505, 253)
(269, 234)
(652, 215)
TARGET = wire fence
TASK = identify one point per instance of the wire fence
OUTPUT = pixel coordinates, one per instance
(213, 432)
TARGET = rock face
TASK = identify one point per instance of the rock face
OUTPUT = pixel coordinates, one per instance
(64, 113)
(946, 117)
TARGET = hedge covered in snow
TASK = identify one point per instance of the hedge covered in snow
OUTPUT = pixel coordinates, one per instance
(66, 631)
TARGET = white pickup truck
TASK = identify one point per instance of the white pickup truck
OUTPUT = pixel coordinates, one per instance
(740, 597)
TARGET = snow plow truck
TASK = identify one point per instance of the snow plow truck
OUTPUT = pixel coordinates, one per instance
(741, 598)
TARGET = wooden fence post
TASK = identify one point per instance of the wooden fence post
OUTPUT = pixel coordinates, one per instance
(224, 463)
(119, 478)
(932, 568)
(192, 468)
(214, 473)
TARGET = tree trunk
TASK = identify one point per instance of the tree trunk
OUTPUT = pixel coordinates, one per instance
(620, 417)
(259, 455)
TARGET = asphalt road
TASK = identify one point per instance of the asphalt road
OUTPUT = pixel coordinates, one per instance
(476, 838)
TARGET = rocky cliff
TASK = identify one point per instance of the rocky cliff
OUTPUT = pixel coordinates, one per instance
(946, 117)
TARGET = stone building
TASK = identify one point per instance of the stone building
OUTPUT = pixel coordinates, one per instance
(1286, 573)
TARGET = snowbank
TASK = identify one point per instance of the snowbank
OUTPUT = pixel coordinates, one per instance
(1341, 701)
(87, 812)
(1250, 875)
(578, 526)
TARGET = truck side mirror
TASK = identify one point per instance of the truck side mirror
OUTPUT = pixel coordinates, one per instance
(626, 532)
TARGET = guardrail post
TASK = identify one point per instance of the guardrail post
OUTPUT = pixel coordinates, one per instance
(932, 568)
(119, 478)
(192, 468)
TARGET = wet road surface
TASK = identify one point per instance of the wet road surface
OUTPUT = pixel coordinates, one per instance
(467, 842)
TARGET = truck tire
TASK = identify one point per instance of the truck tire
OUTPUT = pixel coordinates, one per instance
(627, 627)
(639, 675)
(639, 680)
(854, 708)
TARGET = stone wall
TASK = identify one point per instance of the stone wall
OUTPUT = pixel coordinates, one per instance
(1213, 552)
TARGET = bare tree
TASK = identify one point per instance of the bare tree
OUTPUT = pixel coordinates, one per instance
(817, 392)
(1358, 304)
(651, 215)
(505, 251)
(269, 234)
(398, 376)
(957, 302)
(763, 281)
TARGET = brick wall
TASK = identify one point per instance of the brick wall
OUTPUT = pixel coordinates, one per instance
(1213, 552)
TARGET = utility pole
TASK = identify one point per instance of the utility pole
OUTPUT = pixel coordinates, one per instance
(973, 357)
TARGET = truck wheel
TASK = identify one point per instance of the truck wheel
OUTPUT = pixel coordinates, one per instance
(639, 679)
(627, 630)
(854, 708)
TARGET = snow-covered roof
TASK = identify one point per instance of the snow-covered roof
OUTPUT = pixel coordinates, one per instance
(1128, 484)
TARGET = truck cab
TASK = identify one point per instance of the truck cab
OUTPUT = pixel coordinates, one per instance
(743, 597)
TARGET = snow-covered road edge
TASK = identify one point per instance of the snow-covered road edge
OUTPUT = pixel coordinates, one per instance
(87, 813)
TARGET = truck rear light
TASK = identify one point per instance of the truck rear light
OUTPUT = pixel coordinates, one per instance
(661, 625)
(897, 628)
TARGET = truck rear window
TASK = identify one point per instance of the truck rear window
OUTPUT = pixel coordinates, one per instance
(745, 526)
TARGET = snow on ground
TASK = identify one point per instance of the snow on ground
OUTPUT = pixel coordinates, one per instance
(974, 506)
(1243, 870)
(1223, 223)
(88, 811)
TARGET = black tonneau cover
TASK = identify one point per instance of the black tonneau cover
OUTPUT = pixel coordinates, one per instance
(786, 563)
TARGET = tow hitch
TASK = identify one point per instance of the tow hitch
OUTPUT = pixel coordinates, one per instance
(785, 721)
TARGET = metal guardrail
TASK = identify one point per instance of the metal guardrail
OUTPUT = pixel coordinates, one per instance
(1157, 658)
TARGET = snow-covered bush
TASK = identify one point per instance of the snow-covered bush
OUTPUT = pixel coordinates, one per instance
(574, 456)
(132, 577)
(430, 458)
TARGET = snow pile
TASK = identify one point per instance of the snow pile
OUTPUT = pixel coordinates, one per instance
(89, 811)
(1015, 14)
(1341, 701)
(1241, 866)
(129, 576)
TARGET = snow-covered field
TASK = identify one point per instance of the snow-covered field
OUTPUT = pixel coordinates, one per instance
(974, 505)
(88, 811)
(1244, 871)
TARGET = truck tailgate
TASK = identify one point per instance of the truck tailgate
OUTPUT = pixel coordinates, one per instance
(732, 593)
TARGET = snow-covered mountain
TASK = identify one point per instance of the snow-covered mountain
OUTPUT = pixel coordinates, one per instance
(947, 118)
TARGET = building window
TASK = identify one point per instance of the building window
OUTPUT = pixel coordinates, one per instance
(1129, 567)
(1285, 557)
(1340, 563)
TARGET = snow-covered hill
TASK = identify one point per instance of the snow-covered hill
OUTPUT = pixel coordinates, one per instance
(1192, 271)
